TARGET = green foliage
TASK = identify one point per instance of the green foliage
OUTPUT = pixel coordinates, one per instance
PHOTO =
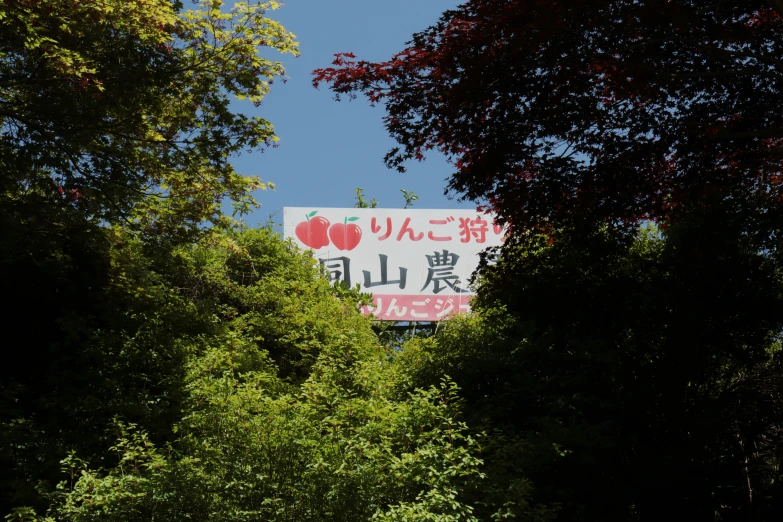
(278, 400)
(251, 446)
(125, 106)
(361, 202)
(613, 376)
(466, 347)
(630, 376)
(409, 196)
(172, 364)
(117, 113)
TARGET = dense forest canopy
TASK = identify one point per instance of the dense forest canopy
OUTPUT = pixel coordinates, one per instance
(647, 361)
(622, 361)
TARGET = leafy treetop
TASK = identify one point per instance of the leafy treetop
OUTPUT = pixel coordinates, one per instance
(557, 114)
(124, 107)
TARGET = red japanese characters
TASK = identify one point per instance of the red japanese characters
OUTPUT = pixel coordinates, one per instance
(473, 229)
(345, 235)
(313, 232)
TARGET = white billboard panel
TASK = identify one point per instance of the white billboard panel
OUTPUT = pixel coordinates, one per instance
(415, 262)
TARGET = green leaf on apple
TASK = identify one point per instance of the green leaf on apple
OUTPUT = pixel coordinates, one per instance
(311, 214)
(353, 219)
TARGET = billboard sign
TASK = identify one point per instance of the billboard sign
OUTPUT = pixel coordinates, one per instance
(415, 262)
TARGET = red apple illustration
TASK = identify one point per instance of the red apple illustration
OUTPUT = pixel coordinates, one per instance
(345, 236)
(313, 231)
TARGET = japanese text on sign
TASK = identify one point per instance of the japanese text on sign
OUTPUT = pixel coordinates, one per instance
(416, 263)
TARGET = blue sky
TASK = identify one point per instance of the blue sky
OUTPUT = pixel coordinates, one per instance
(326, 148)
